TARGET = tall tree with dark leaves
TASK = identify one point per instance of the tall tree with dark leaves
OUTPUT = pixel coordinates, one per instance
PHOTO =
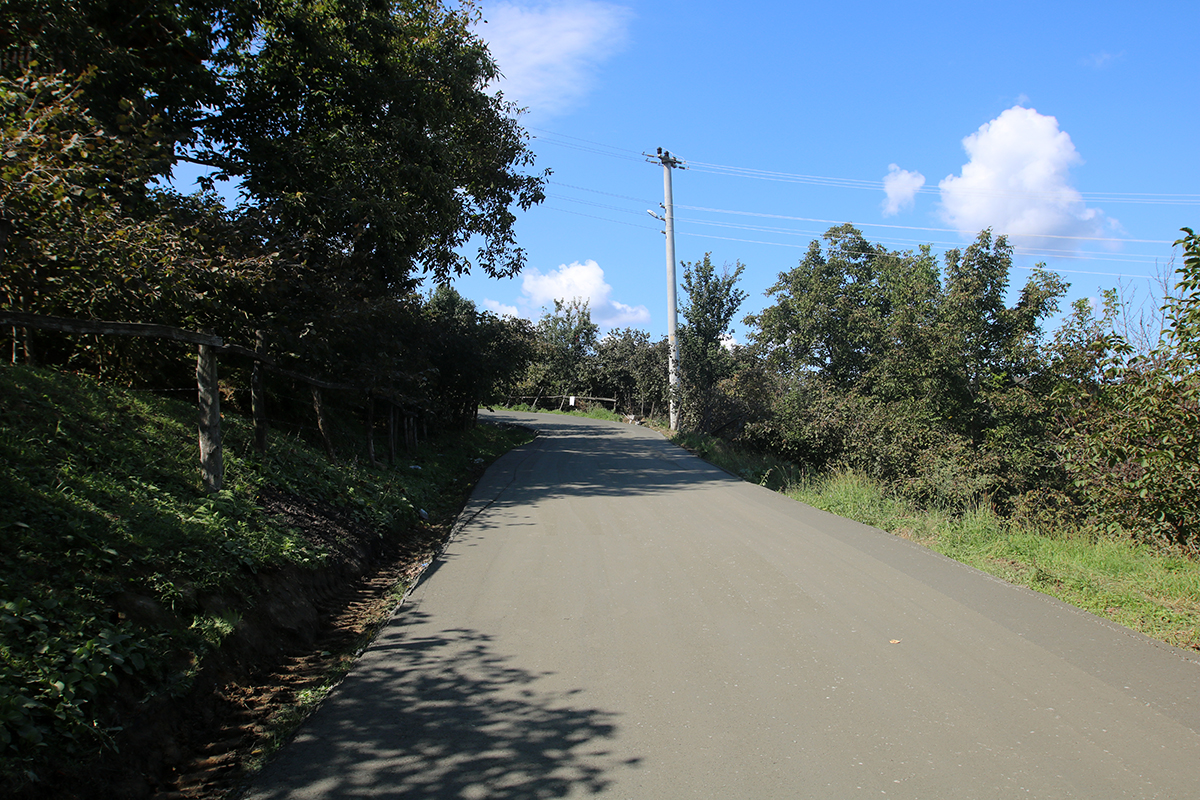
(367, 143)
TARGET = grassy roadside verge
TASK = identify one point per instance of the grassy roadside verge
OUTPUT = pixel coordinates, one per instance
(119, 575)
(1136, 585)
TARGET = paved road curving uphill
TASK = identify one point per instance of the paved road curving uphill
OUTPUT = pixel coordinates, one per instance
(617, 618)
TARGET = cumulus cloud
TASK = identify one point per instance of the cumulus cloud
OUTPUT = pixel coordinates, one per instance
(1017, 182)
(500, 309)
(585, 281)
(901, 187)
(549, 52)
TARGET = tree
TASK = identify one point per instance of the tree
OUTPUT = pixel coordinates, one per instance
(1132, 445)
(472, 356)
(566, 346)
(942, 387)
(365, 138)
(165, 57)
(988, 342)
(632, 369)
(362, 130)
(710, 305)
(857, 315)
(997, 383)
(365, 125)
(70, 242)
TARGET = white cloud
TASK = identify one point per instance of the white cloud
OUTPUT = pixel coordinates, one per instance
(901, 187)
(549, 52)
(619, 315)
(1017, 182)
(1102, 59)
(584, 281)
(500, 309)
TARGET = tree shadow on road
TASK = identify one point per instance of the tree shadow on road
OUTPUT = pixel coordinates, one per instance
(583, 457)
(445, 716)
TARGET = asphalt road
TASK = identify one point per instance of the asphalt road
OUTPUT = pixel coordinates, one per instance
(617, 618)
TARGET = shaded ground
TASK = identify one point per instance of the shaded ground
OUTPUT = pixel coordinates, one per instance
(302, 631)
(246, 712)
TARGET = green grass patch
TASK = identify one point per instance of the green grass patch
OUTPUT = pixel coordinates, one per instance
(758, 468)
(109, 545)
(1149, 589)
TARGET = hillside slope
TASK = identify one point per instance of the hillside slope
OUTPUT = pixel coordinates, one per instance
(142, 620)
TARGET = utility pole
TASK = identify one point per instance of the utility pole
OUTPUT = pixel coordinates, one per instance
(669, 162)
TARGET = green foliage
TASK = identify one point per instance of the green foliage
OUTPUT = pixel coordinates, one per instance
(360, 127)
(363, 127)
(1133, 445)
(368, 146)
(565, 349)
(710, 305)
(475, 357)
(68, 241)
(57, 663)
(633, 370)
(845, 307)
(163, 53)
(109, 547)
(568, 357)
(753, 466)
(939, 390)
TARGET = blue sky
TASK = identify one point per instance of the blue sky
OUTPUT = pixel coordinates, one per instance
(1074, 127)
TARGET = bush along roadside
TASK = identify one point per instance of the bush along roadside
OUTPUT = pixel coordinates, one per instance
(1151, 588)
(122, 584)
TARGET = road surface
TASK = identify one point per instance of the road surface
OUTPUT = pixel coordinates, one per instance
(618, 619)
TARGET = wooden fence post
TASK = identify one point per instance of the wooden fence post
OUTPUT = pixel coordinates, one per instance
(258, 397)
(212, 468)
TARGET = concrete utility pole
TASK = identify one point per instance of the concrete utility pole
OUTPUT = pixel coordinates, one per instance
(669, 162)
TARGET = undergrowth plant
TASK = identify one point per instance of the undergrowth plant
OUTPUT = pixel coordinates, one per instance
(108, 543)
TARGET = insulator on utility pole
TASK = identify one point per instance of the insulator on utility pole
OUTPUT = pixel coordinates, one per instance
(669, 162)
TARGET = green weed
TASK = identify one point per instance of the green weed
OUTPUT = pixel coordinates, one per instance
(101, 510)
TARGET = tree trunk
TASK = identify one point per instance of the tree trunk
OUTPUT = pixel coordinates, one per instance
(371, 428)
(258, 398)
(322, 425)
(211, 464)
(391, 432)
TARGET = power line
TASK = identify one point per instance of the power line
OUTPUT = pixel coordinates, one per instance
(1146, 259)
(863, 224)
(918, 228)
(612, 151)
(1024, 251)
